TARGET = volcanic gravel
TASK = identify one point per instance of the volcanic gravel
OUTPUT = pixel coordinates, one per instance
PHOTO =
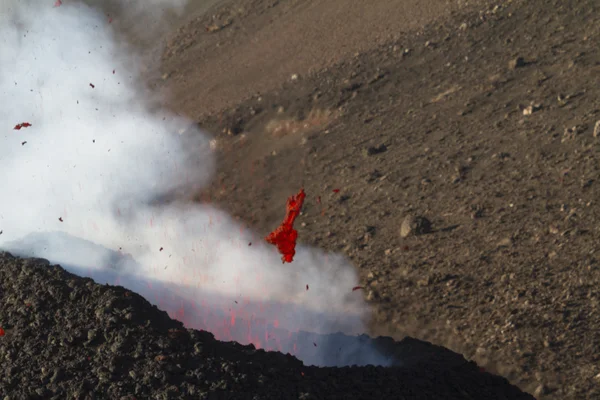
(67, 337)
(483, 123)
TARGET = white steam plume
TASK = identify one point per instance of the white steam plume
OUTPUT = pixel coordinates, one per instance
(96, 158)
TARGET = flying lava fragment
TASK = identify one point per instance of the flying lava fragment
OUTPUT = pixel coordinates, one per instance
(284, 237)
(22, 125)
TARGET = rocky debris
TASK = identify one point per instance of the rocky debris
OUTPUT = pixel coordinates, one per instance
(541, 390)
(374, 150)
(597, 129)
(572, 132)
(506, 242)
(517, 179)
(516, 63)
(215, 27)
(531, 109)
(66, 336)
(414, 225)
(236, 127)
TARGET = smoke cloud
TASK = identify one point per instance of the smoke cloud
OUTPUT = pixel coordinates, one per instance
(79, 185)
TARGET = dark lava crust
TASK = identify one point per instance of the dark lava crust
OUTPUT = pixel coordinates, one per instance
(68, 337)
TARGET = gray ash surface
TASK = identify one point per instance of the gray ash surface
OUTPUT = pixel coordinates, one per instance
(68, 337)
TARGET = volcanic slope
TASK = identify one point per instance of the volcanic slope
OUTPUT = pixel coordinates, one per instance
(67, 337)
(483, 122)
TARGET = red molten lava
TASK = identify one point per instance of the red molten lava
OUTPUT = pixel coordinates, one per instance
(243, 322)
(22, 125)
(284, 237)
(268, 325)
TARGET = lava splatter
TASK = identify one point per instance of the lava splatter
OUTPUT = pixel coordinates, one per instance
(284, 237)
(22, 125)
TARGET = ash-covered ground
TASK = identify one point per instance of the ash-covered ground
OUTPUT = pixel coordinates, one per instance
(486, 122)
(481, 117)
(66, 337)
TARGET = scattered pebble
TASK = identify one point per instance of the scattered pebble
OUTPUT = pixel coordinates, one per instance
(516, 63)
(414, 225)
(426, 281)
(541, 390)
(531, 109)
(572, 132)
(506, 242)
(374, 150)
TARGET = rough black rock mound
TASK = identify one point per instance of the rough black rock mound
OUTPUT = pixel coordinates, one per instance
(68, 337)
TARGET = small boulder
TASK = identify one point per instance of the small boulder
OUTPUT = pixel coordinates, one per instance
(414, 225)
(516, 63)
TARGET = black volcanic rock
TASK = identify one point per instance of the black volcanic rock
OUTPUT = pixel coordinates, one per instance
(68, 337)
